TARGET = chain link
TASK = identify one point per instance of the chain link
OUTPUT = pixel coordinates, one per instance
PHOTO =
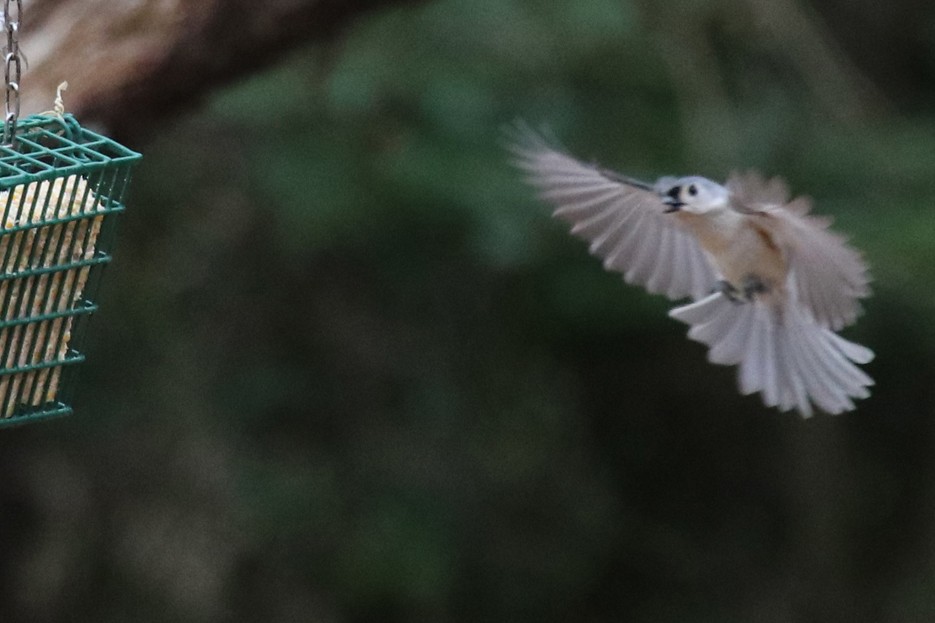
(12, 66)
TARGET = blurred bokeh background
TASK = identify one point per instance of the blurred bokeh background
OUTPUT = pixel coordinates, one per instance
(346, 368)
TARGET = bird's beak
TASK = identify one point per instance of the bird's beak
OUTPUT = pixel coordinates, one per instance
(672, 205)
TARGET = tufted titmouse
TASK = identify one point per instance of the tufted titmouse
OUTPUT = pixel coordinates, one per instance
(770, 283)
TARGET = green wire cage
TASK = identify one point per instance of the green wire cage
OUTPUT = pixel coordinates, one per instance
(60, 187)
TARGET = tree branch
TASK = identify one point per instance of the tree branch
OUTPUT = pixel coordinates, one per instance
(129, 64)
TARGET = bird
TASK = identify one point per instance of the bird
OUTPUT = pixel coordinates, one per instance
(770, 284)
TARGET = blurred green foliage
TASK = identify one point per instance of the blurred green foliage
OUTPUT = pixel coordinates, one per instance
(347, 369)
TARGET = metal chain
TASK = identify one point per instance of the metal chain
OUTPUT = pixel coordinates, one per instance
(12, 66)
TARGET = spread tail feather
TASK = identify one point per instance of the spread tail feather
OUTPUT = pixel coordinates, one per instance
(783, 353)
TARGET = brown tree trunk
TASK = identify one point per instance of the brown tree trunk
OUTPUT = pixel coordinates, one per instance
(130, 62)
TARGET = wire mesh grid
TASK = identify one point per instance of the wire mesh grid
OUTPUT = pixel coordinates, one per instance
(60, 185)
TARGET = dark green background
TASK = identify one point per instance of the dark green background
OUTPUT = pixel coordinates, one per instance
(347, 368)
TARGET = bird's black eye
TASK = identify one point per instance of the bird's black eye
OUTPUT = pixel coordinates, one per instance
(692, 190)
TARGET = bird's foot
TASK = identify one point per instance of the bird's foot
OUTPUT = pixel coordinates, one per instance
(751, 286)
(728, 290)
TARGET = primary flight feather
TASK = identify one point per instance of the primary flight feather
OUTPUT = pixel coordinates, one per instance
(771, 284)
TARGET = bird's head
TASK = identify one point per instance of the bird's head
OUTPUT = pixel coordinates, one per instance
(697, 195)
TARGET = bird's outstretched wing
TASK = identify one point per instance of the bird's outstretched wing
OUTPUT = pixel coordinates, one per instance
(621, 218)
(830, 275)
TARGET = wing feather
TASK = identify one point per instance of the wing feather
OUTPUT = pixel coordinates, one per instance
(661, 274)
(830, 275)
(622, 219)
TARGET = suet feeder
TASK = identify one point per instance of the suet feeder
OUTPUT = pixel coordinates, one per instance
(61, 186)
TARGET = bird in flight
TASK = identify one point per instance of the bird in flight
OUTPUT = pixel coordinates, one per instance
(770, 284)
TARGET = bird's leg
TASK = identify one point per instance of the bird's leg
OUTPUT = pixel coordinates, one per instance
(753, 285)
(726, 288)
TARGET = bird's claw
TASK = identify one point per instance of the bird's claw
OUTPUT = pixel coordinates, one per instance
(750, 287)
(728, 290)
